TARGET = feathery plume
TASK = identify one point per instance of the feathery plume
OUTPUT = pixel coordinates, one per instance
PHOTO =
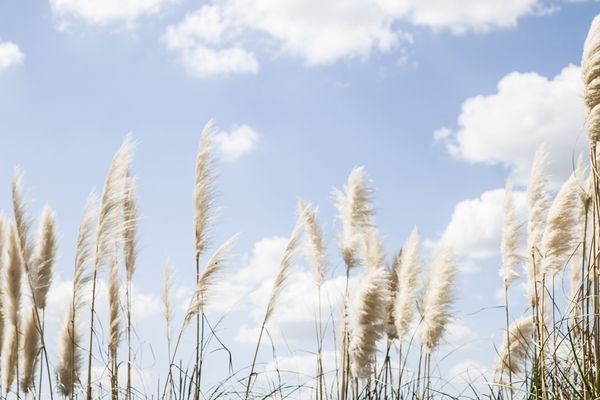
(130, 227)
(9, 359)
(289, 254)
(203, 188)
(590, 68)
(69, 337)
(371, 250)
(538, 201)
(315, 244)
(511, 237)
(69, 355)
(559, 239)
(408, 285)
(31, 347)
(437, 299)
(208, 280)
(12, 302)
(390, 328)
(44, 256)
(356, 214)
(520, 334)
(166, 297)
(367, 317)
(2, 246)
(22, 221)
(114, 308)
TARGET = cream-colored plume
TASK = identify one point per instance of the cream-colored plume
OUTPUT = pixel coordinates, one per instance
(513, 358)
(203, 188)
(590, 68)
(408, 285)
(511, 239)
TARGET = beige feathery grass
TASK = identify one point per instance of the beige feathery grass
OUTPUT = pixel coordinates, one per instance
(408, 285)
(590, 68)
(438, 298)
(30, 350)
(10, 356)
(538, 201)
(368, 311)
(115, 328)
(289, 255)
(208, 279)
(167, 305)
(356, 214)
(390, 328)
(44, 256)
(515, 349)
(560, 235)
(3, 241)
(12, 301)
(511, 239)
(110, 226)
(315, 248)
(69, 338)
(130, 218)
(22, 222)
(203, 188)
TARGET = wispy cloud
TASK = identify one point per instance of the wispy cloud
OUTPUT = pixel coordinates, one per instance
(10, 55)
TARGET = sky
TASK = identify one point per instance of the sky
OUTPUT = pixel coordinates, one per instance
(441, 102)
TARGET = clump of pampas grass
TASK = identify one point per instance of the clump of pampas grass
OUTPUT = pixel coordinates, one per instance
(437, 298)
(515, 349)
(356, 214)
(368, 309)
(408, 285)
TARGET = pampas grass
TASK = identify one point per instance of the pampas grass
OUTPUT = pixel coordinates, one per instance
(110, 226)
(31, 347)
(12, 304)
(356, 214)
(511, 239)
(408, 285)
(368, 310)
(438, 298)
(590, 68)
(559, 238)
(515, 349)
(69, 338)
(538, 201)
(44, 256)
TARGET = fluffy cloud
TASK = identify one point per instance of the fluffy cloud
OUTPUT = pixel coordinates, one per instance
(463, 15)
(528, 109)
(204, 43)
(10, 55)
(104, 12)
(476, 224)
(232, 145)
(210, 40)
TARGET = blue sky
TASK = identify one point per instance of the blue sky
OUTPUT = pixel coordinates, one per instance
(302, 92)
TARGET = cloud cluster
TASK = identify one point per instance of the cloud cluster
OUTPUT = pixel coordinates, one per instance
(210, 41)
(234, 144)
(507, 127)
(105, 12)
(10, 55)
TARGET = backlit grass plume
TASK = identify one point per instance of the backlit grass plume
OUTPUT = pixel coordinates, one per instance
(511, 238)
(208, 279)
(203, 188)
(30, 350)
(559, 239)
(590, 68)
(69, 338)
(44, 256)
(356, 214)
(408, 285)
(515, 349)
(109, 227)
(13, 270)
(315, 244)
(438, 298)
(368, 310)
(538, 201)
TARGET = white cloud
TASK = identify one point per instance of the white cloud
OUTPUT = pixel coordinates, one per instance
(10, 55)
(210, 41)
(104, 12)
(476, 224)
(232, 145)
(203, 40)
(527, 110)
(469, 371)
(460, 16)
